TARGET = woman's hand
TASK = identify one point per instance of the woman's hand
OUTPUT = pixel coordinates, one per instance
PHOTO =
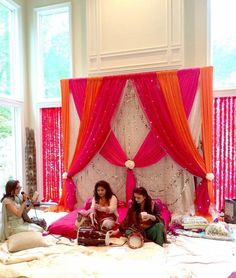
(97, 206)
(93, 219)
(146, 216)
(100, 208)
(25, 197)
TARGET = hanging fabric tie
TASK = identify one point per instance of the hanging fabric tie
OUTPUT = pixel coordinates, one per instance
(64, 175)
(210, 176)
(129, 164)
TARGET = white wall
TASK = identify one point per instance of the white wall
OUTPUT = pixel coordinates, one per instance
(135, 35)
(196, 35)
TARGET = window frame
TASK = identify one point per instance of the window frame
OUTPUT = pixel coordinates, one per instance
(15, 100)
(15, 49)
(17, 130)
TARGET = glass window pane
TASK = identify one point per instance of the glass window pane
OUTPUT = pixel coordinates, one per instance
(223, 43)
(55, 49)
(5, 72)
(7, 146)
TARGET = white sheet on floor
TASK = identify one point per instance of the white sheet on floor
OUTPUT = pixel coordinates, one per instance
(184, 257)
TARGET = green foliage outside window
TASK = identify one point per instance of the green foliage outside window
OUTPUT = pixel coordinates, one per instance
(56, 51)
(5, 122)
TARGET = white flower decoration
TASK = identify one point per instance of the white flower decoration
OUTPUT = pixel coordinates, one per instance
(129, 164)
(64, 175)
(210, 176)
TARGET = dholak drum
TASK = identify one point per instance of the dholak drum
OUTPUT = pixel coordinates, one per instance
(88, 236)
(135, 240)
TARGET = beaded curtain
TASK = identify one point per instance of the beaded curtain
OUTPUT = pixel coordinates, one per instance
(224, 152)
(52, 153)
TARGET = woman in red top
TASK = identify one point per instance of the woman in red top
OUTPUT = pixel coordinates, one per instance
(103, 211)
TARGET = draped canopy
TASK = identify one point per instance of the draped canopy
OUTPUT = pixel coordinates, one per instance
(166, 98)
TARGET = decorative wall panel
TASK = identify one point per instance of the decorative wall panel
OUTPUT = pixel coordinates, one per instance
(129, 36)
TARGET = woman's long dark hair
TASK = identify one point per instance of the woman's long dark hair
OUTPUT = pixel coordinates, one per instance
(147, 203)
(107, 188)
(10, 187)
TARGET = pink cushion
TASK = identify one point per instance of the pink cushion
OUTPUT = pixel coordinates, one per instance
(65, 226)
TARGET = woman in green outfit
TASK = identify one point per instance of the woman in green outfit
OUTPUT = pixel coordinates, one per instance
(13, 208)
(144, 216)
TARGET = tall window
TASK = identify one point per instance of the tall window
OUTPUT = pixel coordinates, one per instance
(54, 49)
(54, 64)
(10, 102)
(223, 43)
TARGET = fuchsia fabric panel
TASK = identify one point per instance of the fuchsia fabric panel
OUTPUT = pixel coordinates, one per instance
(65, 226)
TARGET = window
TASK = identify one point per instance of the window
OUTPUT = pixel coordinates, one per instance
(10, 105)
(223, 43)
(10, 147)
(53, 49)
(9, 50)
(54, 63)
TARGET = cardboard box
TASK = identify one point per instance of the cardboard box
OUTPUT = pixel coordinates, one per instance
(230, 211)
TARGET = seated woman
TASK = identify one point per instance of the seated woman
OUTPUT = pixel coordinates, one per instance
(144, 216)
(13, 209)
(103, 211)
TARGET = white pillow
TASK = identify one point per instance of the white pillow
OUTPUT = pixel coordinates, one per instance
(218, 229)
(26, 240)
(194, 220)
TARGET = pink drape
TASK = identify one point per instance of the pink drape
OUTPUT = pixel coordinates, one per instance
(97, 131)
(150, 151)
(157, 109)
(167, 124)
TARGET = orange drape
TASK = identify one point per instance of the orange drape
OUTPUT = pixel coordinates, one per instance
(170, 86)
(206, 75)
(91, 93)
(65, 95)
